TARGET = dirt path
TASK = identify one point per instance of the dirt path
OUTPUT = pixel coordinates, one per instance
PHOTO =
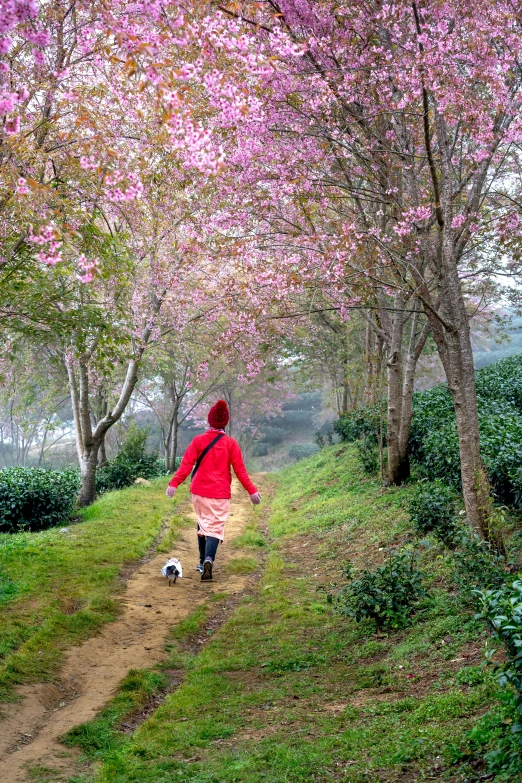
(91, 673)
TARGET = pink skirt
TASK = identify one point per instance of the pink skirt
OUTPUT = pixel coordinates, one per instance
(212, 513)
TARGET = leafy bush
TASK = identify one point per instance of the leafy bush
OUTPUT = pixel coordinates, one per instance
(273, 435)
(130, 463)
(432, 510)
(502, 610)
(362, 423)
(34, 499)
(260, 449)
(387, 595)
(476, 564)
(434, 442)
(319, 440)
(368, 455)
(302, 451)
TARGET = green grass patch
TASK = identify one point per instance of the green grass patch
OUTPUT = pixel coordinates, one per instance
(58, 586)
(241, 565)
(250, 538)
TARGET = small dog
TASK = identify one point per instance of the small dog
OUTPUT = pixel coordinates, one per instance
(172, 569)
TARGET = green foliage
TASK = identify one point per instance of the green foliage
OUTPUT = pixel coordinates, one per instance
(434, 441)
(476, 564)
(273, 435)
(387, 595)
(502, 610)
(34, 499)
(130, 463)
(368, 455)
(362, 423)
(260, 449)
(302, 451)
(434, 444)
(493, 740)
(319, 440)
(432, 510)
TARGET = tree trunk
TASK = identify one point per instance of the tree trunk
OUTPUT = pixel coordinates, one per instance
(88, 465)
(102, 454)
(398, 460)
(457, 358)
(173, 451)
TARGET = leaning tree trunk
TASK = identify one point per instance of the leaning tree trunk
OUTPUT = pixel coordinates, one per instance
(173, 450)
(88, 465)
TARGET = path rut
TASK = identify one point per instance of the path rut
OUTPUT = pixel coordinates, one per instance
(31, 728)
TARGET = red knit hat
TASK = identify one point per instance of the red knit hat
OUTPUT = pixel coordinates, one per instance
(219, 415)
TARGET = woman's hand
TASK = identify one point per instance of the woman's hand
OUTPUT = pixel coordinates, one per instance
(256, 498)
(171, 491)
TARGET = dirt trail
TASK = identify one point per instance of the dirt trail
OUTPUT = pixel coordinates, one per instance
(91, 672)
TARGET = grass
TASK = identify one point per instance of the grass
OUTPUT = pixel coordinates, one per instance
(289, 691)
(58, 586)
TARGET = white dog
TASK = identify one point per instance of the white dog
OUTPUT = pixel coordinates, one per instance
(172, 569)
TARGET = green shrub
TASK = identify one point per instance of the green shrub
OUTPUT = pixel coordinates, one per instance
(319, 440)
(34, 499)
(130, 463)
(302, 451)
(368, 455)
(502, 610)
(362, 422)
(433, 442)
(387, 595)
(260, 449)
(476, 564)
(432, 510)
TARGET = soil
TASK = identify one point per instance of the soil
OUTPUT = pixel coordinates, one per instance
(91, 673)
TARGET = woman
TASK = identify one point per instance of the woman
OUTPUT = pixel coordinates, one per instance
(211, 456)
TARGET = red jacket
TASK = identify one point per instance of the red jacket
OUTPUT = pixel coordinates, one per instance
(213, 477)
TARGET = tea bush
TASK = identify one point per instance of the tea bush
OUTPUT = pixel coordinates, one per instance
(387, 595)
(130, 463)
(433, 440)
(477, 565)
(368, 455)
(432, 510)
(34, 499)
(302, 450)
(362, 423)
(502, 610)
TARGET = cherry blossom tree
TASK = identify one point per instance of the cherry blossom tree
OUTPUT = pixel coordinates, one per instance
(402, 121)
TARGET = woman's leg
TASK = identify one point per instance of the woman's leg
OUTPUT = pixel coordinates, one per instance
(211, 547)
(201, 546)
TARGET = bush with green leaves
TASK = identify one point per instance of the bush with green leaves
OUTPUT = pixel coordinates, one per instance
(302, 451)
(319, 440)
(34, 499)
(476, 564)
(432, 511)
(388, 595)
(130, 463)
(368, 455)
(502, 610)
(434, 444)
(362, 422)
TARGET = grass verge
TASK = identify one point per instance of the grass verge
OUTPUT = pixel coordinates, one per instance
(58, 586)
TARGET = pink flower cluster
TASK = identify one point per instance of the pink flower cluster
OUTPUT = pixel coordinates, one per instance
(47, 236)
(88, 269)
